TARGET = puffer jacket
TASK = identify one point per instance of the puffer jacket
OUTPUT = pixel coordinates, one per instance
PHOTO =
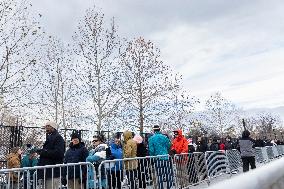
(129, 151)
(75, 154)
(52, 154)
(13, 161)
(180, 144)
(159, 144)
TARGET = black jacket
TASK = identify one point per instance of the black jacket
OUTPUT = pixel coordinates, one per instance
(201, 146)
(75, 154)
(214, 146)
(52, 153)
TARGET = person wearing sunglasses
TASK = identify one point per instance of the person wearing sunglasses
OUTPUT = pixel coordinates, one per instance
(96, 156)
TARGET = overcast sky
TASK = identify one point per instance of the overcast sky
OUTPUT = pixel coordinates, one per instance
(232, 46)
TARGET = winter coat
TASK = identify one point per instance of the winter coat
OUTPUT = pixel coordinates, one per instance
(116, 153)
(141, 150)
(14, 161)
(229, 145)
(214, 146)
(222, 146)
(129, 151)
(27, 162)
(259, 143)
(159, 144)
(246, 147)
(180, 144)
(75, 154)
(52, 154)
(96, 156)
(201, 146)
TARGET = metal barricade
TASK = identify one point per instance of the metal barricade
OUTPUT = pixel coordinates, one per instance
(201, 166)
(270, 152)
(71, 176)
(140, 172)
(234, 159)
(275, 152)
(259, 155)
(280, 150)
(217, 164)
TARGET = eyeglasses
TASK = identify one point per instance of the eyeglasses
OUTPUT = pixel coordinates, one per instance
(95, 140)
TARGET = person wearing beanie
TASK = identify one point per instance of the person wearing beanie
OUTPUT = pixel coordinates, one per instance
(246, 145)
(159, 144)
(76, 153)
(52, 153)
(14, 161)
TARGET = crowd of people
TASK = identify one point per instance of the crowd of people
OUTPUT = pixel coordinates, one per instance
(127, 145)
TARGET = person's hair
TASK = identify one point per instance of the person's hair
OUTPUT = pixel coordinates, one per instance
(15, 150)
(101, 138)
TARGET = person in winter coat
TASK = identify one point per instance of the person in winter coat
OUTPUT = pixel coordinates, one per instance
(142, 163)
(259, 142)
(222, 145)
(30, 159)
(159, 144)
(52, 153)
(247, 152)
(180, 144)
(201, 145)
(130, 151)
(76, 153)
(96, 156)
(115, 177)
(14, 161)
(215, 145)
(229, 145)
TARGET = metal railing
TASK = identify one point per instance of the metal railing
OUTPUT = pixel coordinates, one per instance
(72, 176)
(179, 171)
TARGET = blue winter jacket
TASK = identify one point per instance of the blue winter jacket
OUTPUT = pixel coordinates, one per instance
(159, 144)
(116, 153)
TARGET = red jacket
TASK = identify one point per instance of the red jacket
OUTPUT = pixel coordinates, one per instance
(222, 146)
(180, 144)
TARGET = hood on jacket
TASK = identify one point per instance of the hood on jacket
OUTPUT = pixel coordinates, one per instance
(179, 132)
(127, 136)
(12, 156)
(138, 139)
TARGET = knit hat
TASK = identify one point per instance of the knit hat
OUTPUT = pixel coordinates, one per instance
(75, 135)
(138, 139)
(156, 128)
(52, 124)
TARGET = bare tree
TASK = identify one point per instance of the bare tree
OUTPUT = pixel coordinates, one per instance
(146, 84)
(220, 114)
(20, 40)
(96, 44)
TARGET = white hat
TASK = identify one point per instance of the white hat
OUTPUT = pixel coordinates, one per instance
(52, 124)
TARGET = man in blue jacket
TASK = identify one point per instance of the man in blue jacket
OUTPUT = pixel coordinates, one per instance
(160, 144)
(116, 172)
